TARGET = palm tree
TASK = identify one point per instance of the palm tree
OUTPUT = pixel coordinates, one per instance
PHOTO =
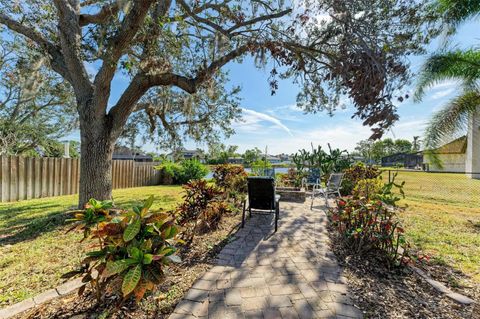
(416, 143)
(460, 65)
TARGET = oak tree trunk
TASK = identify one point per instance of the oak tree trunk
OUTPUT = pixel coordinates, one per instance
(95, 162)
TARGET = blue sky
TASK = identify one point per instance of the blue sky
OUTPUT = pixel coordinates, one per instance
(274, 121)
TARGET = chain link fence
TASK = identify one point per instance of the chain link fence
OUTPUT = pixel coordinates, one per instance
(438, 187)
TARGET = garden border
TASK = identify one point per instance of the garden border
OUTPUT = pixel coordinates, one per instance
(455, 296)
(27, 304)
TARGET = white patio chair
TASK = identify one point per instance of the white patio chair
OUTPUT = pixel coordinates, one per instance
(334, 184)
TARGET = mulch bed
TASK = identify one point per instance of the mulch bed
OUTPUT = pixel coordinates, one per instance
(160, 304)
(401, 293)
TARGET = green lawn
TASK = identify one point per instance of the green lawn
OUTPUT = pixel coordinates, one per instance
(443, 217)
(34, 248)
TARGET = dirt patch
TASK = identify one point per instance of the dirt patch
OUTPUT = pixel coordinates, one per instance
(160, 304)
(397, 293)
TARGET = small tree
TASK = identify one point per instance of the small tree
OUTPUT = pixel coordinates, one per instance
(36, 108)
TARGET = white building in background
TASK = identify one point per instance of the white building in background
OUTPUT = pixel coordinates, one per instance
(472, 163)
(461, 155)
(451, 155)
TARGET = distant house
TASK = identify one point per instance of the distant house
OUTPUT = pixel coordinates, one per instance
(274, 159)
(124, 153)
(452, 156)
(406, 160)
(184, 154)
(235, 160)
(284, 157)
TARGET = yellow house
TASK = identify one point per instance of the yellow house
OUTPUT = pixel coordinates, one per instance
(452, 157)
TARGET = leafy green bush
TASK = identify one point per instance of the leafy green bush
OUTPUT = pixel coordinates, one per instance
(191, 170)
(133, 248)
(370, 226)
(387, 195)
(367, 188)
(169, 172)
(356, 173)
(259, 166)
(201, 209)
(183, 172)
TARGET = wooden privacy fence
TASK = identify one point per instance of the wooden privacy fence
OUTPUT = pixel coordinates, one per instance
(26, 178)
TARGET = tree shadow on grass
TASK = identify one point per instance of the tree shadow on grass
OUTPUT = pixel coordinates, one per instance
(20, 226)
(22, 222)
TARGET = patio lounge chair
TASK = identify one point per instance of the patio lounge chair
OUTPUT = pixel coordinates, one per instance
(261, 197)
(312, 179)
(333, 187)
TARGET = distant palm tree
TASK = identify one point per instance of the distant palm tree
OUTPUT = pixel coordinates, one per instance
(416, 143)
(460, 65)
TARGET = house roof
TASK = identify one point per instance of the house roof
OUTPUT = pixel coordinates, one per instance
(130, 156)
(458, 146)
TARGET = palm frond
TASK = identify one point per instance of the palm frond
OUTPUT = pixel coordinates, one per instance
(460, 65)
(455, 12)
(451, 120)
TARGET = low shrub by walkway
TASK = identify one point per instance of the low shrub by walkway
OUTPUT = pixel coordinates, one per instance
(34, 245)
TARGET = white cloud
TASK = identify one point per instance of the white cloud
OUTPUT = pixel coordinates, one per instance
(251, 121)
(441, 94)
(344, 135)
(289, 112)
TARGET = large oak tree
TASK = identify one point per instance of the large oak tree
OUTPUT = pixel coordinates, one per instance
(173, 53)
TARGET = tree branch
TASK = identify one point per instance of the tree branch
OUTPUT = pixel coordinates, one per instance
(105, 12)
(56, 58)
(116, 47)
(143, 81)
(70, 37)
(192, 14)
(259, 19)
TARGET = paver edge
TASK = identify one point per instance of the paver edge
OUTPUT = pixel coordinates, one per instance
(17, 308)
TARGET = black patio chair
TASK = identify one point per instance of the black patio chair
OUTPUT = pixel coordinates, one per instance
(262, 198)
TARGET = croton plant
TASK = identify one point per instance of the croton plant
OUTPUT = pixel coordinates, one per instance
(131, 248)
(370, 225)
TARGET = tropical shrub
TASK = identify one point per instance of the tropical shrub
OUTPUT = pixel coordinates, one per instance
(293, 178)
(335, 160)
(132, 249)
(356, 173)
(370, 226)
(212, 215)
(232, 180)
(201, 209)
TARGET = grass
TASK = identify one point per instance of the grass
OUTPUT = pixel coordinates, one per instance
(34, 248)
(442, 218)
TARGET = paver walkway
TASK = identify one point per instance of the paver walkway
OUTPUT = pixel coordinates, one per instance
(289, 274)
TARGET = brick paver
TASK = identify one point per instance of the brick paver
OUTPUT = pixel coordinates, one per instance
(261, 274)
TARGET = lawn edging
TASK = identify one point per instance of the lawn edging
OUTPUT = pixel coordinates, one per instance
(455, 296)
(41, 298)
